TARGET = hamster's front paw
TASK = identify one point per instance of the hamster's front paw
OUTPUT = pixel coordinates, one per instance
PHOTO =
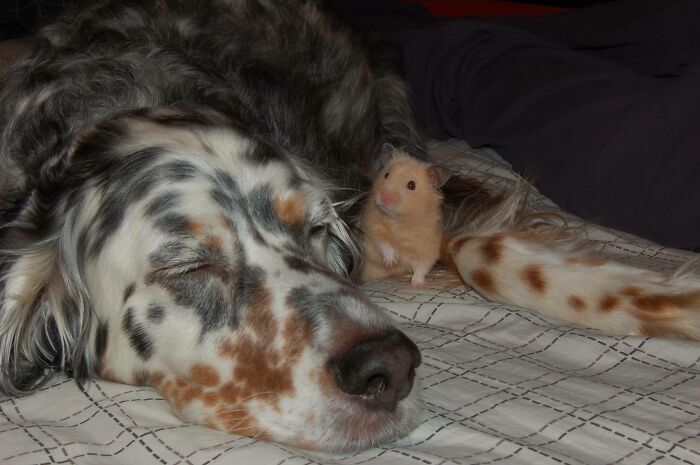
(389, 256)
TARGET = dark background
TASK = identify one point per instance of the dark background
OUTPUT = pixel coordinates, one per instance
(19, 18)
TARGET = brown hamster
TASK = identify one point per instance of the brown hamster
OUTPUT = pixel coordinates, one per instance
(401, 221)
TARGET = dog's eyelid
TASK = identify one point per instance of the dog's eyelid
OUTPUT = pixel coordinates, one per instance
(181, 269)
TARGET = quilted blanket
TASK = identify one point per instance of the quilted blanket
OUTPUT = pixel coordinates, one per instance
(499, 385)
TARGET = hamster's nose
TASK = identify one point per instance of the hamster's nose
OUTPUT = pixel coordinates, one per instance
(388, 198)
(379, 371)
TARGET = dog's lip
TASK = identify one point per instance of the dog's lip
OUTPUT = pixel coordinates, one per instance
(380, 428)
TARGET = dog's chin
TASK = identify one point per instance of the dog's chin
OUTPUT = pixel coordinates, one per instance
(348, 432)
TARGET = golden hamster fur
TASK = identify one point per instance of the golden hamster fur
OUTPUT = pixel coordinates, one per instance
(401, 221)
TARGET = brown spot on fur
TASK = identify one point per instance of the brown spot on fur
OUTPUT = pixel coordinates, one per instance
(483, 280)
(210, 398)
(631, 291)
(291, 209)
(195, 227)
(609, 302)
(255, 372)
(577, 303)
(227, 349)
(185, 396)
(492, 248)
(533, 277)
(204, 375)
(656, 303)
(230, 393)
(214, 242)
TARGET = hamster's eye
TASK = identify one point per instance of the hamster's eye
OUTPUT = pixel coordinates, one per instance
(411, 185)
(386, 175)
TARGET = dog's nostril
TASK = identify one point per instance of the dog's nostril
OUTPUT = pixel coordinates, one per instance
(380, 370)
(375, 386)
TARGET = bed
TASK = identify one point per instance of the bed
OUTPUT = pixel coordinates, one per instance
(499, 385)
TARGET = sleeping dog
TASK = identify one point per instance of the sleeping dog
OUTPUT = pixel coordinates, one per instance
(177, 179)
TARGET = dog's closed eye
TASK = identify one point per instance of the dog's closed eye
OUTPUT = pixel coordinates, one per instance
(188, 269)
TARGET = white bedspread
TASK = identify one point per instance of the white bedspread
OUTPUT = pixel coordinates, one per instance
(499, 385)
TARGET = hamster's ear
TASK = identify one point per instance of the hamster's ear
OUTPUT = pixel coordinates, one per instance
(385, 156)
(438, 175)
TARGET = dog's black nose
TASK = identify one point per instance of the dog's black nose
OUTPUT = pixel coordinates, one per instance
(380, 370)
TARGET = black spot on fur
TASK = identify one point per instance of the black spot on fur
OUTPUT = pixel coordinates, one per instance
(178, 170)
(210, 297)
(155, 313)
(250, 284)
(129, 291)
(101, 338)
(298, 264)
(260, 204)
(138, 336)
(227, 194)
(167, 255)
(110, 214)
(262, 154)
(162, 204)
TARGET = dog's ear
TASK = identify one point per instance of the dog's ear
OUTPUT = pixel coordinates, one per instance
(44, 312)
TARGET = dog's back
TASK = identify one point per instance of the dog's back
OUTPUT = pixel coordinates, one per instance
(282, 69)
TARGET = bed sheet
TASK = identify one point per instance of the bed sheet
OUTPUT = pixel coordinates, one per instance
(499, 385)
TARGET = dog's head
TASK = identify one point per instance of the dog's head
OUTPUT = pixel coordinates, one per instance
(174, 250)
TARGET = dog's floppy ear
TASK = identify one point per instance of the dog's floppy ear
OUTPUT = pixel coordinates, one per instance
(44, 312)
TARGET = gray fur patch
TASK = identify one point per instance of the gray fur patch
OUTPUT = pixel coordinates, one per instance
(155, 313)
(162, 204)
(138, 336)
(129, 291)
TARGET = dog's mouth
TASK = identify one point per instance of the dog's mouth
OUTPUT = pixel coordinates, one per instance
(382, 427)
(349, 427)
